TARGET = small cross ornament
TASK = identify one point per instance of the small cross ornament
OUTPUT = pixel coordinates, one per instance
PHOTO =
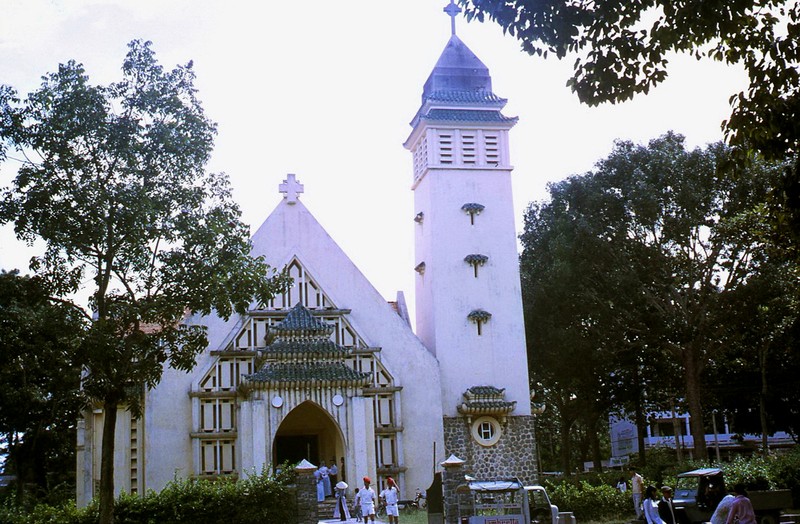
(291, 189)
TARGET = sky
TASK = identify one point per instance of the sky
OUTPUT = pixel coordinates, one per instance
(326, 90)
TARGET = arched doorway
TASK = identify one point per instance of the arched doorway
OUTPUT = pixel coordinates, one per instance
(308, 432)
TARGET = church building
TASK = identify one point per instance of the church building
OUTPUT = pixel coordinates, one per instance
(329, 370)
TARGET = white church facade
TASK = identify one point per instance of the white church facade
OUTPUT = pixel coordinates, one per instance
(329, 370)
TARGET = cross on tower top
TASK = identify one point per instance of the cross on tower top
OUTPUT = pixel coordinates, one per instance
(290, 188)
(452, 11)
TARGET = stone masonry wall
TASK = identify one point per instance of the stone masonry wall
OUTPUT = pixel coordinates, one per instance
(514, 455)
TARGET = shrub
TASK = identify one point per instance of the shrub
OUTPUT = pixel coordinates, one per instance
(785, 472)
(258, 499)
(588, 502)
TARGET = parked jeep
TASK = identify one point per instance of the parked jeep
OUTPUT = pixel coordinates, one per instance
(699, 491)
(506, 501)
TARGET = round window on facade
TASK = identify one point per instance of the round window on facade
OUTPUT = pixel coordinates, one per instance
(486, 431)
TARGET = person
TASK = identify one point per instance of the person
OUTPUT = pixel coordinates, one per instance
(390, 497)
(622, 486)
(326, 481)
(366, 497)
(637, 487)
(320, 487)
(341, 511)
(333, 471)
(741, 508)
(357, 506)
(650, 506)
(341, 469)
(720, 515)
(665, 507)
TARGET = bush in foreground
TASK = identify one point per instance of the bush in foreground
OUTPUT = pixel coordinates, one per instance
(258, 499)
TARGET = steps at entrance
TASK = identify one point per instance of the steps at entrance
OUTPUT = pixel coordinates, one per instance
(326, 507)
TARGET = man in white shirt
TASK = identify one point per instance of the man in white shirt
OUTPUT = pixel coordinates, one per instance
(366, 497)
(637, 487)
(390, 496)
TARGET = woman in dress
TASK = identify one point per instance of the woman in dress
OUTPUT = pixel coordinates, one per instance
(650, 506)
(341, 511)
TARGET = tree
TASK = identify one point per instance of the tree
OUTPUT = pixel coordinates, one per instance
(665, 244)
(587, 325)
(623, 49)
(113, 180)
(40, 398)
(755, 378)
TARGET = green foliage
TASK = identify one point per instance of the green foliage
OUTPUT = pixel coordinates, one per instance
(40, 377)
(786, 473)
(629, 276)
(754, 472)
(592, 496)
(256, 500)
(622, 49)
(588, 501)
(113, 180)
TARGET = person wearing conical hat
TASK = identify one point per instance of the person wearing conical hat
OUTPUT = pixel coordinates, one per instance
(341, 511)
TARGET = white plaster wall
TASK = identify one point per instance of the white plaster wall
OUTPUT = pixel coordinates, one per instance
(291, 230)
(498, 356)
(167, 449)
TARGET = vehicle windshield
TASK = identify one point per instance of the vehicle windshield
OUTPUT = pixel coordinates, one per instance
(689, 483)
(538, 499)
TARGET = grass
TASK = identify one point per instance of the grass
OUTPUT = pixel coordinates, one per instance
(414, 517)
(421, 517)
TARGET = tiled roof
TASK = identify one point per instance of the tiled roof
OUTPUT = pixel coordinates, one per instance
(485, 400)
(472, 97)
(309, 374)
(466, 115)
(484, 391)
(305, 349)
(486, 407)
(300, 322)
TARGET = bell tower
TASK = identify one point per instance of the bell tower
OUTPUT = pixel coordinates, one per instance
(468, 295)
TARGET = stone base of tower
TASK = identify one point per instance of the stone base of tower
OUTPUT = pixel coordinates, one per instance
(513, 455)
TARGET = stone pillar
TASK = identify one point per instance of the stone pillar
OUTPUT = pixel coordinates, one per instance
(307, 510)
(452, 477)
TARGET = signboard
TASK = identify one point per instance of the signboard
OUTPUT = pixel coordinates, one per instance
(497, 519)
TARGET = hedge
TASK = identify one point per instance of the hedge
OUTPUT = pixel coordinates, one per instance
(258, 499)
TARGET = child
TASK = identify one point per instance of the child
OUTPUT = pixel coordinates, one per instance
(357, 506)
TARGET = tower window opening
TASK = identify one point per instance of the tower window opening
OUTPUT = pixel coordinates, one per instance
(492, 149)
(469, 155)
(445, 148)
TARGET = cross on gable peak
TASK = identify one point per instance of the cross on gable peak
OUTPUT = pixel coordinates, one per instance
(291, 189)
(452, 11)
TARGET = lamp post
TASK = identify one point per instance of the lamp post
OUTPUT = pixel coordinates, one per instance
(716, 438)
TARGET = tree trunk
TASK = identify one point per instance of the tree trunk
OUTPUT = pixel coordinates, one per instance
(762, 398)
(597, 457)
(694, 392)
(107, 463)
(566, 449)
(641, 428)
(677, 430)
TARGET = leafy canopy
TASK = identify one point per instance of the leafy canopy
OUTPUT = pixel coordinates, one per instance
(112, 179)
(622, 48)
(630, 269)
(39, 401)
